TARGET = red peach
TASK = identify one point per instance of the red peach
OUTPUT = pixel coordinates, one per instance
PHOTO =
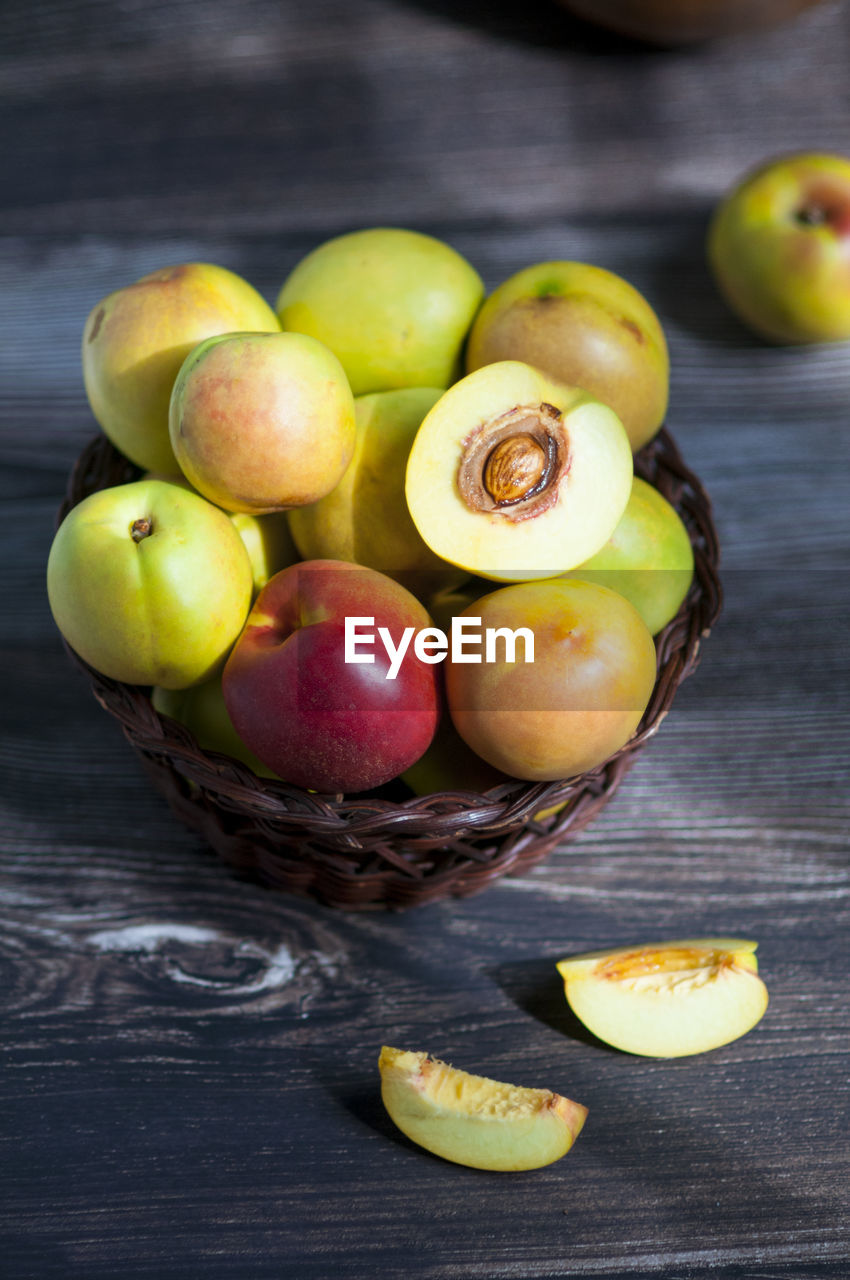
(313, 715)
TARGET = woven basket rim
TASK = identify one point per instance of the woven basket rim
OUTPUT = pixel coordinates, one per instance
(437, 842)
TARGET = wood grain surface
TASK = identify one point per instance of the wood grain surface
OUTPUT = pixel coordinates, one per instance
(188, 1080)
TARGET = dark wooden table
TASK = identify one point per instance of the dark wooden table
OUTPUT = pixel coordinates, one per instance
(189, 1061)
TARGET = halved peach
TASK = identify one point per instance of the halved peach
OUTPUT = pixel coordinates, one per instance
(514, 476)
(473, 1120)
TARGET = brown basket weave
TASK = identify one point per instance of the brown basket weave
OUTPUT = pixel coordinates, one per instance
(386, 849)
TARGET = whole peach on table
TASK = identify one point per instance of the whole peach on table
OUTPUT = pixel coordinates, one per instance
(136, 338)
(262, 422)
(149, 583)
(312, 716)
(779, 247)
(581, 698)
(583, 326)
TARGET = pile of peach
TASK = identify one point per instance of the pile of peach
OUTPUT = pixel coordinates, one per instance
(391, 527)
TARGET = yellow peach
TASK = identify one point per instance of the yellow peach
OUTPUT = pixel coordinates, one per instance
(137, 337)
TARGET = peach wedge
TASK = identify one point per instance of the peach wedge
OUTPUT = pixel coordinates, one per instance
(667, 999)
(472, 1120)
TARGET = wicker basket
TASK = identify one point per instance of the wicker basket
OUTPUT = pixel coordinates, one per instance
(386, 849)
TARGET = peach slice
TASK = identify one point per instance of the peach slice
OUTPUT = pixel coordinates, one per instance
(473, 1120)
(667, 999)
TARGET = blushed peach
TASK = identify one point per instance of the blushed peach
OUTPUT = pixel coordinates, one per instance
(262, 422)
(580, 699)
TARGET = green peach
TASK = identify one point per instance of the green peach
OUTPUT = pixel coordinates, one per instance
(648, 558)
(137, 337)
(201, 709)
(583, 326)
(450, 765)
(449, 600)
(394, 305)
(149, 583)
(268, 543)
(267, 538)
(262, 422)
(365, 519)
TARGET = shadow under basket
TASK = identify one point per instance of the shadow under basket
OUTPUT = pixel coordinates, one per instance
(388, 849)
